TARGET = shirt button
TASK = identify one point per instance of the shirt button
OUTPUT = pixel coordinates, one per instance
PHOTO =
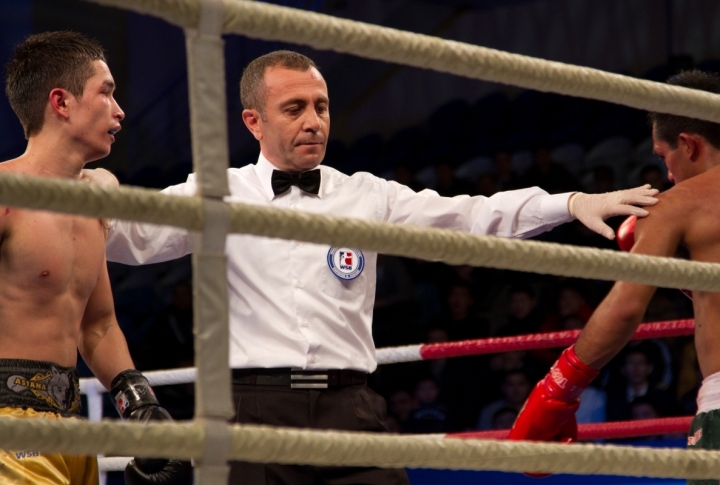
(299, 284)
(304, 324)
(297, 243)
(313, 359)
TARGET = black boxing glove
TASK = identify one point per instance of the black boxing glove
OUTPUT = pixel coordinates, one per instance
(134, 399)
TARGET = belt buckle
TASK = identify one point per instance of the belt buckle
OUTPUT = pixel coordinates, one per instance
(301, 379)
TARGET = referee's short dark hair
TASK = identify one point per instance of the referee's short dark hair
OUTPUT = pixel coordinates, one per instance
(668, 127)
(252, 83)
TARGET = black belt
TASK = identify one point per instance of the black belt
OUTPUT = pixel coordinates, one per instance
(43, 386)
(298, 379)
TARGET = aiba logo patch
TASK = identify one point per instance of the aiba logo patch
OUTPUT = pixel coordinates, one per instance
(346, 263)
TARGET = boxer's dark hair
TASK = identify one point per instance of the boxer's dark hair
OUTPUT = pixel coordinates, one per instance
(668, 127)
(43, 62)
(252, 82)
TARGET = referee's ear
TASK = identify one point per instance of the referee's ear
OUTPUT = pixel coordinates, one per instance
(253, 120)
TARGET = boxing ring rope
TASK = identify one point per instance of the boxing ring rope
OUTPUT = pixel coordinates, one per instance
(264, 444)
(602, 431)
(586, 432)
(275, 23)
(452, 247)
(444, 350)
(208, 439)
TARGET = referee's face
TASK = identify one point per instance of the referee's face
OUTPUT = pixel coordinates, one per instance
(294, 131)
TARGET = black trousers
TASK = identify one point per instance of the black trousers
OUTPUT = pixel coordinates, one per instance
(350, 408)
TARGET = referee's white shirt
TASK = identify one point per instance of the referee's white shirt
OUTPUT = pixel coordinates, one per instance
(287, 308)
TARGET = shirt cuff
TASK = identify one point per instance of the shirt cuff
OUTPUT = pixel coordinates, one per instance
(554, 209)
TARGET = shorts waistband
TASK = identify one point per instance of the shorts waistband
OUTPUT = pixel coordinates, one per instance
(709, 395)
(299, 379)
(43, 386)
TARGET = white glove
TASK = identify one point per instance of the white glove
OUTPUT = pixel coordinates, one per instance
(593, 209)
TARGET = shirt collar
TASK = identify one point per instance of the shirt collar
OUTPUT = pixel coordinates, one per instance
(264, 169)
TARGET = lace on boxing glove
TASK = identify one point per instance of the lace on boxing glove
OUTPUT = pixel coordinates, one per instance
(569, 377)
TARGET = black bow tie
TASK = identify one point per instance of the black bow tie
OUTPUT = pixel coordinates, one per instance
(307, 181)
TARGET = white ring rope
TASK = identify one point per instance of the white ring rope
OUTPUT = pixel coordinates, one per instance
(263, 444)
(187, 375)
(274, 23)
(452, 247)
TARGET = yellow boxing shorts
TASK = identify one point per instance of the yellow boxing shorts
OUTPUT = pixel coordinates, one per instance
(30, 467)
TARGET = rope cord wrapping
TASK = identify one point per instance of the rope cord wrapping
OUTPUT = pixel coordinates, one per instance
(675, 328)
(264, 444)
(274, 23)
(603, 431)
(586, 432)
(452, 247)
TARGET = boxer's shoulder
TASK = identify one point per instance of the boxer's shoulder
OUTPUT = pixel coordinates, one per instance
(99, 176)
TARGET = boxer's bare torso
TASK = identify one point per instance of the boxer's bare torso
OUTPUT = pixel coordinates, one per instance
(696, 210)
(50, 263)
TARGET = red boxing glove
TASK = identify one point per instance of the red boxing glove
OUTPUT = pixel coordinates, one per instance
(549, 412)
(626, 234)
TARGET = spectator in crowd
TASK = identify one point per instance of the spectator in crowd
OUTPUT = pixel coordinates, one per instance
(507, 179)
(401, 404)
(504, 418)
(603, 180)
(515, 389)
(487, 184)
(636, 371)
(430, 416)
(523, 314)
(460, 321)
(447, 184)
(548, 175)
(651, 174)
(571, 313)
(404, 175)
(393, 424)
(460, 393)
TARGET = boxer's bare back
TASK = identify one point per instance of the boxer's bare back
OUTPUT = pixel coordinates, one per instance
(688, 215)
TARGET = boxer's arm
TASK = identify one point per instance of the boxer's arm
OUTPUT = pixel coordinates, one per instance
(102, 343)
(620, 313)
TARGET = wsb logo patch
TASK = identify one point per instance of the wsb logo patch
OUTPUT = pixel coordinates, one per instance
(345, 263)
